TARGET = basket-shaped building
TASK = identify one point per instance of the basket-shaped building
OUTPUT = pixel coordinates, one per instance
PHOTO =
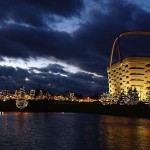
(129, 72)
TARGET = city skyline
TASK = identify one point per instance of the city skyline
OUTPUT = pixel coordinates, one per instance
(65, 45)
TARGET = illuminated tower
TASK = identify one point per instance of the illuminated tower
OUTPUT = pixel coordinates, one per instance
(130, 72)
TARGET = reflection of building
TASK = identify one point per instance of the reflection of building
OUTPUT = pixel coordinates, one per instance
(130, 72)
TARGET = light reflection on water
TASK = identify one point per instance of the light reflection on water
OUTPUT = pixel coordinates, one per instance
(126, 133)
(70, 131)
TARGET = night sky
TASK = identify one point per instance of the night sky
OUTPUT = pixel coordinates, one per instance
(64, 45)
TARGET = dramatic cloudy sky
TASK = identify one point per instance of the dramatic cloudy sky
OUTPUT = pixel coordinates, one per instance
(65, 44)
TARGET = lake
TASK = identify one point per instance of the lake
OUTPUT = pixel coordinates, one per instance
(72, 131)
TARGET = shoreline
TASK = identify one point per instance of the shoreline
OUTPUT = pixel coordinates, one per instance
(136, 111)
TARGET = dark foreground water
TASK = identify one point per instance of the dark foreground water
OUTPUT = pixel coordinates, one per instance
(70, 131)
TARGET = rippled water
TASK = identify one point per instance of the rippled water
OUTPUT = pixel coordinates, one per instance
(70, 131)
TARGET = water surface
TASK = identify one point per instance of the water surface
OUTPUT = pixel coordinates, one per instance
(72, 131)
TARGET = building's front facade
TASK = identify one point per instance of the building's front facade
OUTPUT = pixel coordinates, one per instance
(130, 72)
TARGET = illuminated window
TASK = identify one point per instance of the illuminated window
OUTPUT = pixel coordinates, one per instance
(136, 80)
(136, 74)
(136, 68)
(148, 88)
(148, 65)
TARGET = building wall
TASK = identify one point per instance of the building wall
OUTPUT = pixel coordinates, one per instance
(130, 72)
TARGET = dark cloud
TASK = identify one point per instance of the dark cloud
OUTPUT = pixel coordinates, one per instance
(24, 33)
(12, 78)
(82, 83)
(33, 11)
(99, 34)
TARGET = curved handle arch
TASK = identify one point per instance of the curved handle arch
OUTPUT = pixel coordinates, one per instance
(124, 34)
